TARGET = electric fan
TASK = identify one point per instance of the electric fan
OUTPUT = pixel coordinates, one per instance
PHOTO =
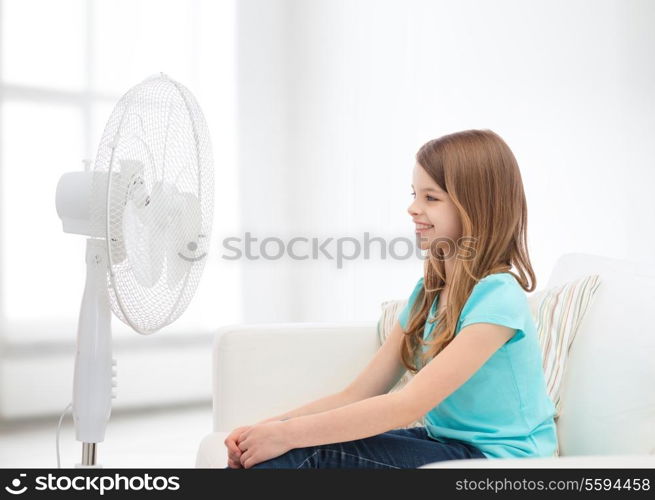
(146, 209)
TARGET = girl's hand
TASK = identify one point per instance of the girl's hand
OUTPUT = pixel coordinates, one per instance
(233, 451)
(262, 442)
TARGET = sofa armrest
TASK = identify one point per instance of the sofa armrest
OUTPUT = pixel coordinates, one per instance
(260, 370)
(212, 452)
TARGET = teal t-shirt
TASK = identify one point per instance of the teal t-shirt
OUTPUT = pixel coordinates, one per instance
(504, 409)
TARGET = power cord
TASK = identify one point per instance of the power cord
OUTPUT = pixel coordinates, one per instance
(70, 405)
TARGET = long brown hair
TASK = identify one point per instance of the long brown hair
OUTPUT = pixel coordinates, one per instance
(480, 173)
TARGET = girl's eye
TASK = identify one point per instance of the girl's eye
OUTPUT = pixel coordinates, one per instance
(429, 198)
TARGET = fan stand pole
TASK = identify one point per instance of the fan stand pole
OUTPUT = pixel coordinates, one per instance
(88, 454)
(92, 387)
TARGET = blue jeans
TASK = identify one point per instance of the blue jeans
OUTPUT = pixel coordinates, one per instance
(395, 449)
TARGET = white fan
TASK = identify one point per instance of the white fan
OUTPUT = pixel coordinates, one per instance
(146, 208)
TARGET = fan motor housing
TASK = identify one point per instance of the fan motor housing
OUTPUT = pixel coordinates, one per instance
(73, 202)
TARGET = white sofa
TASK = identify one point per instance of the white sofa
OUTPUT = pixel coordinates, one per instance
(608, 389)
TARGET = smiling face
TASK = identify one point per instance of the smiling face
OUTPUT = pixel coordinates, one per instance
(433, 213)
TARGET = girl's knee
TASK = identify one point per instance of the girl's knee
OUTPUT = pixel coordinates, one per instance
(292, 459)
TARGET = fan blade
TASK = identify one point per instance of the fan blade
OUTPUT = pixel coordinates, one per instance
(127, 185)
(184, 248)
(144, 244)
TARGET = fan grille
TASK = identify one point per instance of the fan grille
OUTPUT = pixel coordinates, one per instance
(154, 164)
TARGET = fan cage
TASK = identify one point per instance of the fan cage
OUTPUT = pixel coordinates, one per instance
(159, 126)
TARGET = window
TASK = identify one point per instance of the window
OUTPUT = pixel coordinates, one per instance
(63, 66)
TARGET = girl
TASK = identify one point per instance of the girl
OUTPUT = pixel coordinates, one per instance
(466, 335)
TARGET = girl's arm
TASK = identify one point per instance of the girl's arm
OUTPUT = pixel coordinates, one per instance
(378, 377)
(329, 402)
(335, 400)
(357, 420)
(453, 366)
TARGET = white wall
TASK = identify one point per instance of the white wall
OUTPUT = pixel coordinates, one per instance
(335, 97)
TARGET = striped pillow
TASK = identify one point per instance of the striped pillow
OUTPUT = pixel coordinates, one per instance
(558, 313)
